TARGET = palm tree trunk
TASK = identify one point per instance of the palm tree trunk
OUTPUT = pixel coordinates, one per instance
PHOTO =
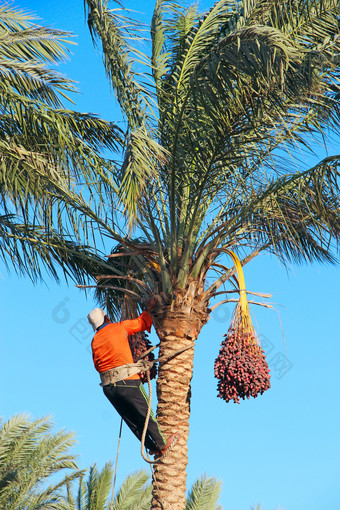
(176, 329)
(173, 411)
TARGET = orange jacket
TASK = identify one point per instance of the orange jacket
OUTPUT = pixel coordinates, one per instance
(110, 345)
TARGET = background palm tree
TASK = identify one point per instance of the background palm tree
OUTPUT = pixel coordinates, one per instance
(204, 495)
(134, 493)
(95, 492)
(212, 130)
(29, 457)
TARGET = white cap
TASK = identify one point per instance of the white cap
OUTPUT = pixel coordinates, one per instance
(96, 318)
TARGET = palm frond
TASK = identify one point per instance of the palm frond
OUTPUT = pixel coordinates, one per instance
(204, 494)
(193, 37)
(130, 490)
(298, 215)
(57, 143)
(143, 157)
(98, 486)
(113, 30)
(81, 494)
(29, 455)
(160, 56)
(295, 216)
(29, 249)
(24, 49)
(45, 153)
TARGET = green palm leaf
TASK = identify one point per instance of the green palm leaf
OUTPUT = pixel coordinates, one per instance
(130, 491)
(29, 249)
(204, 495)
(24, 48)
(29, 455)
(113, 30)
(143, 156)
(45, 152)
(98, 487)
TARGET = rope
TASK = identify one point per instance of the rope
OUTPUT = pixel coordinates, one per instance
(146, 423)
(147, 459)
(115, 476)
(157, 488)
(162, 359)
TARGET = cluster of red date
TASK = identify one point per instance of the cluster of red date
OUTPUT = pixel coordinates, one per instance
(241, 367)
(139, 343)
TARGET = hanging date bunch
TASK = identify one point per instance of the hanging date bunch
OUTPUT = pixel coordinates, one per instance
(139, 343)
(241, 367)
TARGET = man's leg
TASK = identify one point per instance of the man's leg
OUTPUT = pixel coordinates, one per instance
(131, 402)
(153, 429)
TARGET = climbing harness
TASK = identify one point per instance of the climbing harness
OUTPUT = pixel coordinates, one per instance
(124, 371)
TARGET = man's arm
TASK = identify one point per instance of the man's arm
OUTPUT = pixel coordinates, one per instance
(142, 323)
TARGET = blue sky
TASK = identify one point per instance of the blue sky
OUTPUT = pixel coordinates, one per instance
(281, 449)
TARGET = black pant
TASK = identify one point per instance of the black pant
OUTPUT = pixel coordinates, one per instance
(129, 398)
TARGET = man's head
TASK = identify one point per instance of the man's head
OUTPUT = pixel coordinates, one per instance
(96, 318)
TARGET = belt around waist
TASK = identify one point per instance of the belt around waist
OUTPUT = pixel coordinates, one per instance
(123, 372)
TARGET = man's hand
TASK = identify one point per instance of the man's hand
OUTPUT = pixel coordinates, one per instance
(151, 305)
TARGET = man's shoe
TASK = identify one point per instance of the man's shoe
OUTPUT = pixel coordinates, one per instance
(169, 445)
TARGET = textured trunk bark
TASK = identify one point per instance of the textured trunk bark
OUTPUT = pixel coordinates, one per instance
(178, 327)
(173, 411)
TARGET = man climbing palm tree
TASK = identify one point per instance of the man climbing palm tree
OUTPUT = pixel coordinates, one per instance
(111, 353)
